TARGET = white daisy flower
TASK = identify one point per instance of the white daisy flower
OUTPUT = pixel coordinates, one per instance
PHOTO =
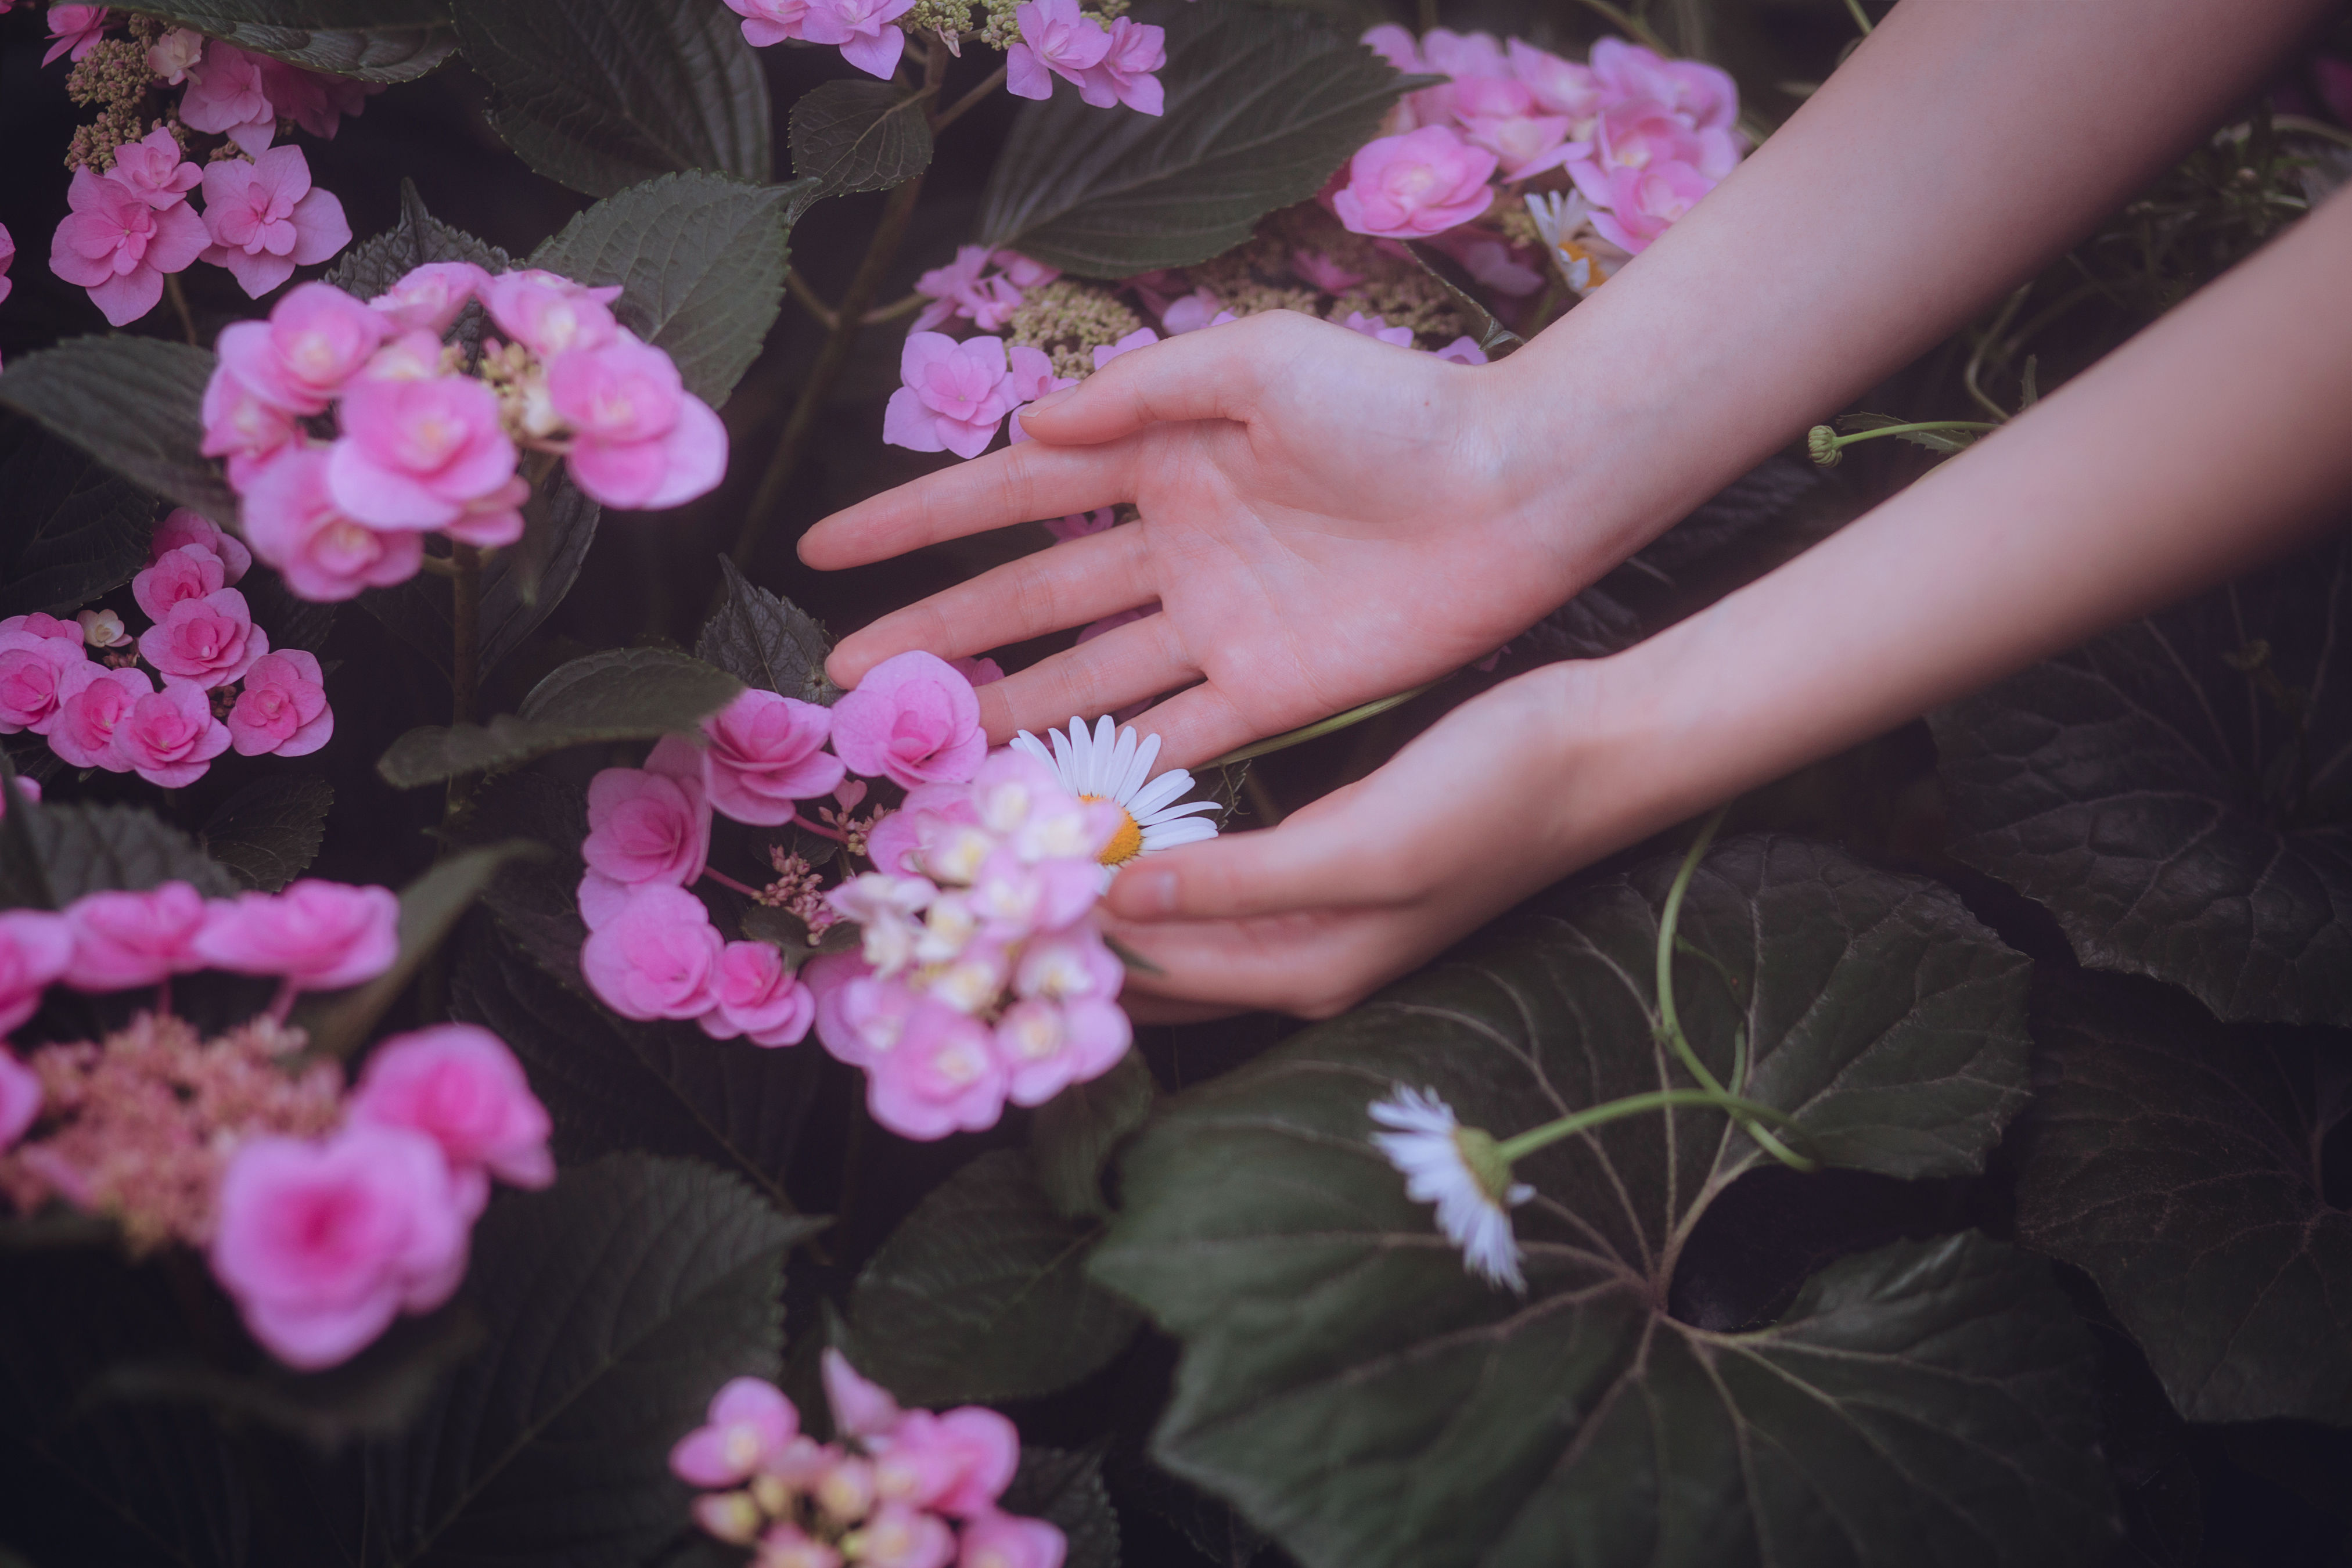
(1110, 764)
(1458, 1169)
(1559, 217)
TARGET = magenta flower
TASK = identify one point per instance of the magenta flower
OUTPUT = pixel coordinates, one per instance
(757, 997)
(1421, 182)
(152, 169)
(750, 1424)
(965, 1457)
(861, 29)
(1704, 96)
(315, 101)
(548, 313)
(320, 936)
(7, 254)
(1561, 87)
(283, 708)
(210, 640)
(1079, 525)
(657, 958)
(1056, 39)
(1644, 203)
(1501, 116)
(953, 289)
(34, 948)
(181, 527)
(127, 940)
(769, 22)
(1030, 378)
(955, 396)
(292, 524)
(914, 720)
(1011, 1540)
(766, 753)
(1046, 1048)
(41, 667)
(322, 1244)
(1460, 55)
(76, 30)
(171, 737)
(646, 827)
(860, 1409)
(117, 246)
(1123, 75)
(413, 454)
(242, 428)
(20, 1098)
(190, 571)
(430, 298)
(1397, 47)
(266, 220)
(86, 730)
(458, 1085)
(227, 97)
(641, 440)
(942, 1076)
(1141, 338)
(316, 340)
(1377, 327)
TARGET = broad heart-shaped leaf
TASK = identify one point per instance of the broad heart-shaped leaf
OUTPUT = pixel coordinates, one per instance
(2175, 1159)
(859, 136)
(72, 529)
(1073, 1134)
(1356, 1394)
(620, 694)
(617, 1303)
(765, 641)
(600, 95)
(375, 40)
(982, 1294)
(2178, 793)
(419, 611)
(100, 848)
(1065, 1488)
(135, 404)
(374, 265)
(267, 833)
(1262, 105)
(700, 257)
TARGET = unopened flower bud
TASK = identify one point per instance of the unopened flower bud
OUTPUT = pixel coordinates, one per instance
(100, 629)
(1821, 445)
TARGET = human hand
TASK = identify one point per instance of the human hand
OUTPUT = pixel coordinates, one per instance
(1327, 520)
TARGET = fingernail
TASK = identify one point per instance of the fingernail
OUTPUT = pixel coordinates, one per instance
(1160, 893)
(1047, 403)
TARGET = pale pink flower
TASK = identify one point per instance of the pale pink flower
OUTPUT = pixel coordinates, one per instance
(153, 170)
(1079, 525)
(927, 812)
(748, 1425)
(979, 671)
(1021, 271)
(430, 298)
(1397, 47)
(315, 101)
(861, 29)
(1190, 312)
(171, 736)
(646, 827)
(34, 948)
(20, 1098)
(1009, 1541)
(860, 1408)
(266, 220)
(1461, 55)
(171, 56)
(941, 1076)
(210, 640)
(1501, 115)
(1030, 377)
(227, 97)
(292, 524)
(1490, 260)
(1014, 896)
(1640, 134)
(1378, 329)
(642, 441)
(316, 340)
(102, 628)
(283, 708)
(1046, 1048)
(76, 30)
(39, 673)
(1419, 184)
(321, 936)
(769, 22)
(657, 958)
(955, 396)
(1561, 87)
(548, 313)
(458, 1085)
(127, 940)
(767, 753)
(1069, 966)
(7, 254)
(1142, 337)
(1056, 39)
(896, 1536)
(191, 572)
(414, 454)
(953, 289)
(1318, 268)
(492, 519)
(783, 1545)
(244, 428)
(1123, 75)
(322, 1244)
(962, 1460)
(758, 999)
(912, 719)
(1705, 96)
(181, 527)
(85, 730)
(1464, 349)
(1644, 203)
(117, 246)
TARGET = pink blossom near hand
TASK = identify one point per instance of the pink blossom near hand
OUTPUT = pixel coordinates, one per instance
(1015, 898)
(320, 935)
(315, 101)
(458, 1085)
(1190, 312)
(1141, 338)
(416, 453)
(549, 315)
(181, 527)
(758, 999)
(1644, 203)
(171, 56)
(121, 940)
(1046, 1048)
(153, 170)
(748, 1425)
(1640, 134)
(979, 671)
(1559, 87)
(953, 289)
(912, 719)
(38, 675)
(766, 753)
(242, 428)
(860, 1409)
(293, 524)
(1318, 268)
(227, 97)
(1421, 182)
(85, 730)
(1011, 1540)
(120, 249)
(20, 1098)
(34, 948)
(283, 709)
(955, 396)
(1463, 55)
(862, 30)
(1705, 97)
(1377, 327)
(641, 440)
(316, 340)
(1397, 47)
(190, 571)
(1491, 262)
(657, 958)
(1025, 272)
(430, 298)
(941, 1077)
(1071, 966)
(1501, 115)
(1079, 525)
(265, 219)
(322, 1244)
(1030, 377)
(170, 737)
(767, 22)
(210, 640)
(1123, 75)
(646, 827)
(1462, 350)
(76, 30)
(1056, 39)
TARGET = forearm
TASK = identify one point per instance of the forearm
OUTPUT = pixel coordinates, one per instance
(1965, 145)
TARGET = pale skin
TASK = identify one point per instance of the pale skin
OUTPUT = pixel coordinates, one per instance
(1328, 520)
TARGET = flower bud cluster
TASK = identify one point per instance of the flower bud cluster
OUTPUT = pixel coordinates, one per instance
(897, 1488)
(421, 445)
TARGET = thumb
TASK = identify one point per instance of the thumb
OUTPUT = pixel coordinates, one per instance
(1211, 373)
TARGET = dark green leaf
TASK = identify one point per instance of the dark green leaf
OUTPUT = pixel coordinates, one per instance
(2178, 793)
(859, 136)
(618, 1303)
(765, 641)
(1073, 1134)
(622, 694)
(701, 258)
(1353, 1391)
(24, 880)
(1262, 106)
(537, 900)
(419, 610)
(1216, 1531)
(267, 833)
(2177, 1161)
(1495, 340)
(375, 40)
(135, 404)
(72, 529)
(97, 849)
(290, 622)
(1063, 1487)
(370, 268)
(982, 1294)
(600, 95)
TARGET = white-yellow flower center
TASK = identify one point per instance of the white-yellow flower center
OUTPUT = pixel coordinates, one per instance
(1127, 843)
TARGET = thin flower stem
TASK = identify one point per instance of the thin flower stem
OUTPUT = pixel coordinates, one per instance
(724, 880)
(1977, 425)
(1861, 17)
(180, 304)
(1641, 30)
(1535, 1137)
(809, 298)
(465, 658)
(438, 565)
(1321, 728)
(820, 829)
(905, 306)
(954, 112)
(2303, 125)
(283, 1003)
(2001, 324)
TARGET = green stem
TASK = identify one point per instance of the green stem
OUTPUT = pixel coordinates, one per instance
(1978, 425)
(954, 112)
(1518, 1148)
(2303, 126)
(180, 303)
(464, 658)
(1861, 17)
(809, 300)
(1337, 721)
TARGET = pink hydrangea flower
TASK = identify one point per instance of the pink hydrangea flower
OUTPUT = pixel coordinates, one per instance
(238, 425)
(767, 753)
(1123, 75)
(1079, 525)
(1011, 1540)
(1644, 203)
(1030, 377)
(320, 936)
(20, 1098)
(1461, 55)
(190, 571)
(416, 453)
(1491, 262)
(266, 220)
(1705, 96)
(1056, 39)
(896, 1536)
(767, 22)
(1397, 47)
(34, 948)
(86, 729)
(227, 97)
(960, 1460)
(748, 1426)
(955, 396)
(171, 736)
(861, 29)
(758, 999)
(322, 1244)
(1069, 966)
(941, 1076)
(657, 958)
(41, 669)
(1142, 337)
(1319, 269)
(171, 56)
(548, 313)
(316, 340)
(642, 441)
(210, 640)
(292, 524)
(1022, 271)
(181, 527)
(76, 30)
(315, 101)
(430, 298)
(121, 940)
(1462, 350)
(7, 254)
(1377, 327)
(1561, 87)
(860, 1408)
(1502, 116)
(458, 1085)
(1046, 1048)
(119, 248)
(646, 827)
(283, 708)
(1638, 134)
(153, 170)
(1421, 182)
(913, 719)
(953, 289)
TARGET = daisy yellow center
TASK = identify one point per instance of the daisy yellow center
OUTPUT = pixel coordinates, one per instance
(1127, 843)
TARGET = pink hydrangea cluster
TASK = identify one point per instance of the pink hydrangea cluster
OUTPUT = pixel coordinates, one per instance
(7, 254)
(424, 443)
(980, 286)
(1110, 61)
(897, 1488)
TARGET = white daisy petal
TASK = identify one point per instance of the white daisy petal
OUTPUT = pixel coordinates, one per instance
(1105, 740)
(1427, 1150)
(1170, 813)
(1110, 762)
(1029, 745)
(1115, 767)
(1142, 803)
(1140, 769)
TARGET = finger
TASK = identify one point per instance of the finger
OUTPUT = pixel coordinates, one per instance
(1052, 589)
(1311, 964)
(1335, 860)
(1101, 675)
(1213, 374)
(1019, 484)
(1196, 725)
